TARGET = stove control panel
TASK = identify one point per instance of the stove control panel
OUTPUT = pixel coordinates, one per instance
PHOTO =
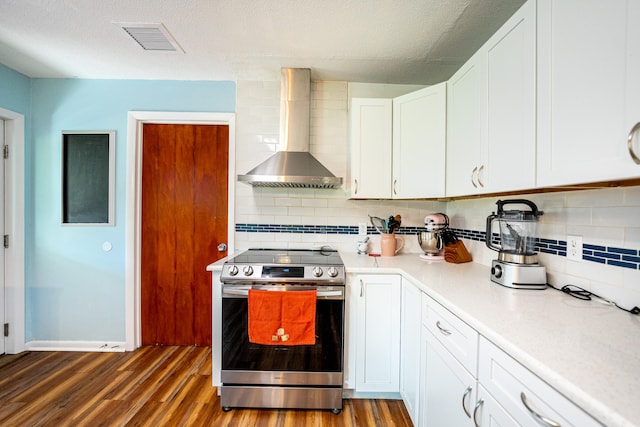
(257, 273)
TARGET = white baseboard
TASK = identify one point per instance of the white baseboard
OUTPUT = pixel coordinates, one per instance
(352, 394)
(94, 346)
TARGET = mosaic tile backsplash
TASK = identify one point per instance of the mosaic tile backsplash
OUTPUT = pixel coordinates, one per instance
(613, 256)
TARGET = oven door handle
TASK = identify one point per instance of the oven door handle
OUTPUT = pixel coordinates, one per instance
(243, 291)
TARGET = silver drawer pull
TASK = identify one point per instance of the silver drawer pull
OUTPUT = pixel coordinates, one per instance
(633, 155)
(443, 330)
(539, 418)
(475, 412)
(464, 396)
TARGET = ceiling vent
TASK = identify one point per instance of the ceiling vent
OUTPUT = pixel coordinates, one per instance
(151, 37)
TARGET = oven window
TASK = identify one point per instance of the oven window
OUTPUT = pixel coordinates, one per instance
(239, 354)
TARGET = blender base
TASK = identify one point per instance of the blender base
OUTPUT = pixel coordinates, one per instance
(518, 276)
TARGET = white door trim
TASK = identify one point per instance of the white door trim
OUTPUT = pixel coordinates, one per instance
(133, 202)
(14, 226)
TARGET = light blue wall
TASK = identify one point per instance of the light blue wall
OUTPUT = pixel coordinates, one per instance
(75, 290)
(15, 91)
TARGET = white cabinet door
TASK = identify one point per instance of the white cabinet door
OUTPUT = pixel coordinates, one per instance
(511, 104)
(466, 124)
(410, 326)
(419, 140)
(378, 334)
(488, 412)
(491, 112)
(370, 144)
(587, 52)
(448, 391)
(632, 85)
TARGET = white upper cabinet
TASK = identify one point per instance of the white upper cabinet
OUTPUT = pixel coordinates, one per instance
(511, 103)
(632, 85)
(419, 139)
(466, 127)
(491, 116)
(588, 90)
(370, 142)
(398, 145)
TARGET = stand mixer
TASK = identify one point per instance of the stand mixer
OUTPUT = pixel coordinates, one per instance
(430, 240)
(517, 264)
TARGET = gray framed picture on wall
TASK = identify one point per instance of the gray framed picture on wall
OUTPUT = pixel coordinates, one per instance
(88, 177)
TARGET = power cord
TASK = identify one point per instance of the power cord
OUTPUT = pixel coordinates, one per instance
(583, 294)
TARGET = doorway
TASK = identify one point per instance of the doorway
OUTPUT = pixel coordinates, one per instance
(133, 226)
(183, 228)
(2, 280)
(13, 222)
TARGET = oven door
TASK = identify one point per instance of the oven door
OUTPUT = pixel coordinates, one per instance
(248, 363)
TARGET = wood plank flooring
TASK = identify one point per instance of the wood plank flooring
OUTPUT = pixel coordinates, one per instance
(152, 386)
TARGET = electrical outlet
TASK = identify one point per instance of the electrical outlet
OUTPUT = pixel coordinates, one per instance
(574, 248)
(362, 229)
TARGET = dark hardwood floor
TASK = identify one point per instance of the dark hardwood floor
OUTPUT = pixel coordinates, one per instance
(152, 386)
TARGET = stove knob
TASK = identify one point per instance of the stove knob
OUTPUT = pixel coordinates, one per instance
(333, 272)
(233, 270)
(317, 271)
(247, 270)
(496, 271)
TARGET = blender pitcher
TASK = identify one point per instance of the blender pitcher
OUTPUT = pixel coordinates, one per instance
(517, 238)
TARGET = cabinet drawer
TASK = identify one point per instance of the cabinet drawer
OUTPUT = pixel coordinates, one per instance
(456, 336)
(511, 384)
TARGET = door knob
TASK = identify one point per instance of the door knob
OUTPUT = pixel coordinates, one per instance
(222, 247)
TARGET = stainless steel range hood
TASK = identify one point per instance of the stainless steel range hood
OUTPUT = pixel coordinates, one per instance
(293, 166)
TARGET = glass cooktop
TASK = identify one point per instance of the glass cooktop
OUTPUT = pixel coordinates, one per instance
(266, 256)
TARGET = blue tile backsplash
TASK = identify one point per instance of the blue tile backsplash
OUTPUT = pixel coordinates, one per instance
(618, 257)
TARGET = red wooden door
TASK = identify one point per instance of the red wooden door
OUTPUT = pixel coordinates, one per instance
(184, 218)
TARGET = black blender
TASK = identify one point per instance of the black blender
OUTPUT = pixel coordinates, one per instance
(517, 264)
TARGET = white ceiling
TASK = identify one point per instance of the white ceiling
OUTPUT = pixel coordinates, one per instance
(376, 41)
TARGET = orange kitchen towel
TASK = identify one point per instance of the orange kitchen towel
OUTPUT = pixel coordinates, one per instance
(282, 318)
(265, 308)
(299, 317)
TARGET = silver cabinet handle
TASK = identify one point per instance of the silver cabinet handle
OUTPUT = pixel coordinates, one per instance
(480, 183)
(464, 396)
(395, 185)
(475, 412)
(222, 247)
(442, 329)
(473, 173)
(539, 418)
(356, 190)
(633, 155)
(361, 288)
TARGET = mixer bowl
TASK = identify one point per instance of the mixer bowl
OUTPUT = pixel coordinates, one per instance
(430, 242)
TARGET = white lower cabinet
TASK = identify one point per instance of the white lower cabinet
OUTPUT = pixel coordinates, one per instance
(448, 391)
(406, 343)
(410, 319)
(528, 399)
(377, 334)
(448, 348)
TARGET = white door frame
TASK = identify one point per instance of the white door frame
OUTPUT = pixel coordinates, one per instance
(136, 119)
(14, 227)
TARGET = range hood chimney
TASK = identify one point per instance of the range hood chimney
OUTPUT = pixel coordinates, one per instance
(293, 166)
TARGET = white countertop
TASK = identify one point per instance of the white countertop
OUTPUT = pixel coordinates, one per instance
(587, 351)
